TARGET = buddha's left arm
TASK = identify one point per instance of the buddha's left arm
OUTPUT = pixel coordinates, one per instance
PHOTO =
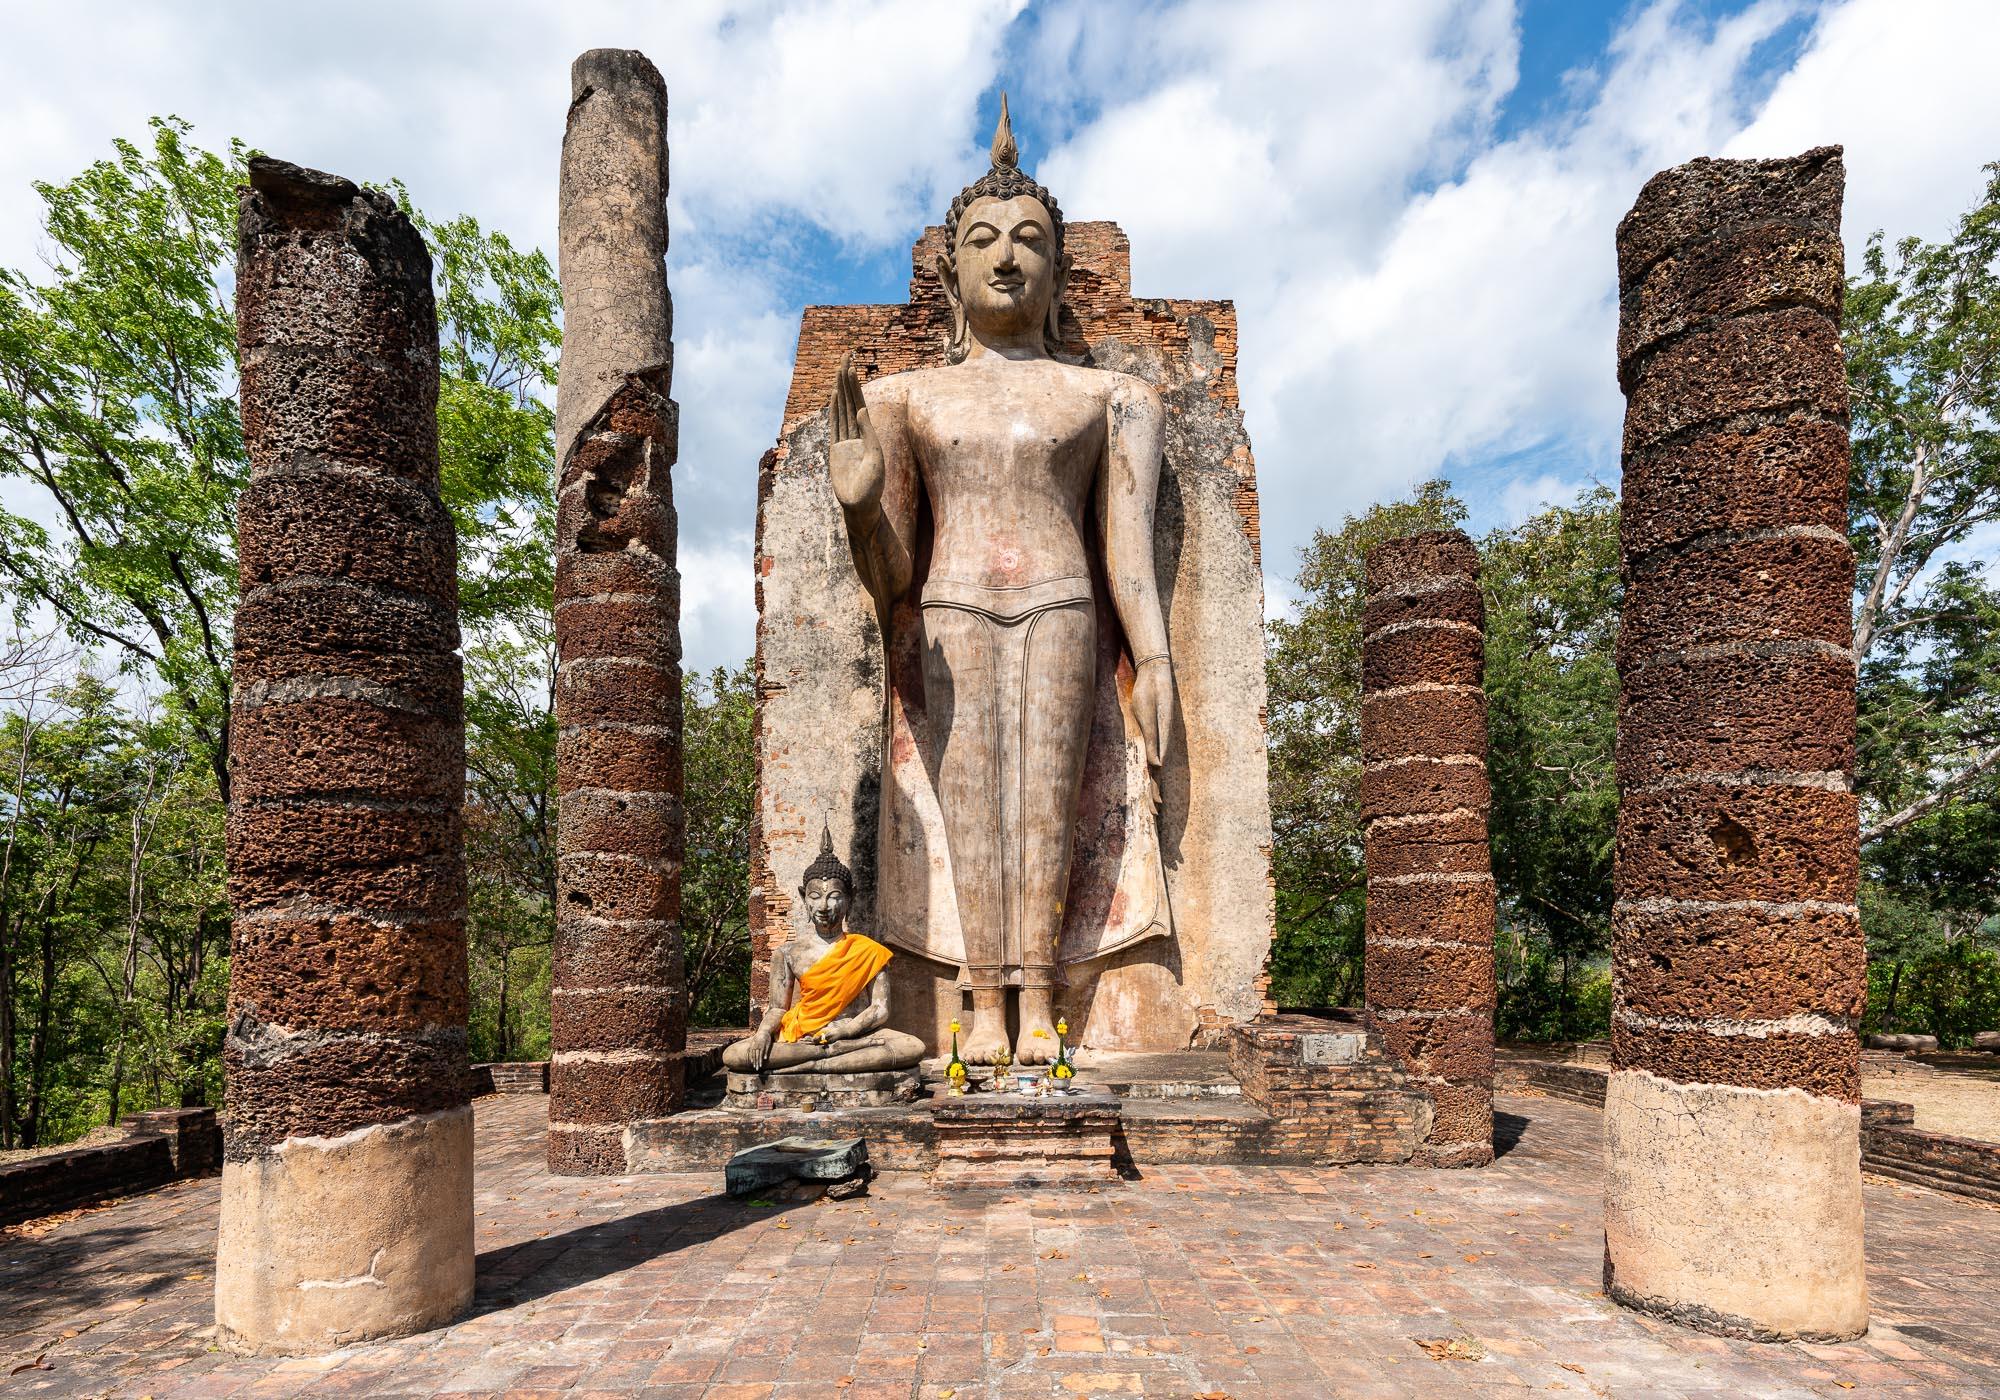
(869, 1018)
(1135, 434)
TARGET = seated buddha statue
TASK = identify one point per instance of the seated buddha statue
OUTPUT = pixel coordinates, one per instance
(829, 1007)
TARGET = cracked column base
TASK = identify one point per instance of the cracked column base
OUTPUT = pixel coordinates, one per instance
(1735, 1211)
(329, 1241)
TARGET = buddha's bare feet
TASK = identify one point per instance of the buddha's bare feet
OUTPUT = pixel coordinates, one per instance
(1038, 1027)
(989, 1028)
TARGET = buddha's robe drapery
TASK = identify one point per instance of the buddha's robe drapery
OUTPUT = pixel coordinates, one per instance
(831, 983)
(1117, 884)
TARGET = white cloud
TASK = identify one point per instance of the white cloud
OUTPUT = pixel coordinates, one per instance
(848, 116)
(1908, 87)
(1413, 293)
(1526, 495)
(1419, 290)
(1418, 297)
(718, 601)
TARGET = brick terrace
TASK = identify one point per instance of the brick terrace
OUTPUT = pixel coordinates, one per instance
(1242, 1282)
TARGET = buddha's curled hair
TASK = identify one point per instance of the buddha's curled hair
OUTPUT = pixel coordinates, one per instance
(828, 866)
(1006, 180)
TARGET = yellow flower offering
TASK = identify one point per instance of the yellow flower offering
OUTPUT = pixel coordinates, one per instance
(956, 1072)
(1062, 1027)
(954, 1028)
(1041, 1034)
(1061, 1070)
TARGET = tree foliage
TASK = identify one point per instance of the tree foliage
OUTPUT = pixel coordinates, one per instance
(121, 439)
(715, 876)
(1551, 593)
(1923, 357)
(1552, 605)
(118, 416)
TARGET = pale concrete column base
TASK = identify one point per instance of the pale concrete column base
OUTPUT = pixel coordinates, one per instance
(1736, 1211)
(330, 1241)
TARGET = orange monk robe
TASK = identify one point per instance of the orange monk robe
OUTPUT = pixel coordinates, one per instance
(831, 983)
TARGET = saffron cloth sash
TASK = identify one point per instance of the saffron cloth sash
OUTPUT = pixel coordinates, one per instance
(831, 983)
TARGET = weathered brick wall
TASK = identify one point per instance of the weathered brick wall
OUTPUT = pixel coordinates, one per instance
(1424, 797)
(511, 1077)
(1960, 1166)
(159, 1146)
(820, 672)
(1738, 954)
(1331, 1091)
(619, 1004)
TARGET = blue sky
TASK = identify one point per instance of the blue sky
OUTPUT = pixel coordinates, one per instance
(1411, 204)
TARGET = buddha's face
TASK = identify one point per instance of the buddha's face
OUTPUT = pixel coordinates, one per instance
(1006, 264)
(826, 901)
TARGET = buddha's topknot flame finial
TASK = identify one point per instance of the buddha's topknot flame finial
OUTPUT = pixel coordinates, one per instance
(1006, 154)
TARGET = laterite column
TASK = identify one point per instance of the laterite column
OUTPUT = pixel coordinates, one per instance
(347, 1180)
(1733, 1186)
(620, 1000)
(1424, 797)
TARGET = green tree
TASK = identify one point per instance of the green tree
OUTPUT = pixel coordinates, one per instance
(117, 404)
(510, 848)
(1552, 605)
(1923, 355)
(715, 876)
(118, 410)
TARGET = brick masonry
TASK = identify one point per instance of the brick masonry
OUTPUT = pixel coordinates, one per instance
(1429, 966)
(159, 1146)
(1891, 1143)
(511, 1077)
(619, 1012)
(1331, 1093)
(1738, 956)
(1282, 1283)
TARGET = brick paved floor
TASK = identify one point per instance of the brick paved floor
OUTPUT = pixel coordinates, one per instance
(1262, 1282)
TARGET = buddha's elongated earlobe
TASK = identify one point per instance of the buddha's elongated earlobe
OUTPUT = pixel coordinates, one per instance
(947, 275)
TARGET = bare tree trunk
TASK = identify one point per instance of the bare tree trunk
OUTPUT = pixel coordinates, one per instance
(1895, 985)
(144, 821)
(38, 1043)
(506, 973)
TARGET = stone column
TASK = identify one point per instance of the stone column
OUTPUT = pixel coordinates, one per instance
(620, 1001)
(347, 1180)
(1424, 798)
(1733, 1188)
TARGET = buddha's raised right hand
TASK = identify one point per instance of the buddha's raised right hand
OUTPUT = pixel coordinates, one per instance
(854, 455)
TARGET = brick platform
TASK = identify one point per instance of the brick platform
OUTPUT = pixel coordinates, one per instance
(1291, 1091)
(1008, 1140)
(1265, 1282)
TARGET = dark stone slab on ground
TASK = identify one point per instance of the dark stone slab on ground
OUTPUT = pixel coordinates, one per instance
(794, 1159)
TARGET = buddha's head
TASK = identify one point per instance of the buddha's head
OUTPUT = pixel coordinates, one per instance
(827, 888)
(1004, 267)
